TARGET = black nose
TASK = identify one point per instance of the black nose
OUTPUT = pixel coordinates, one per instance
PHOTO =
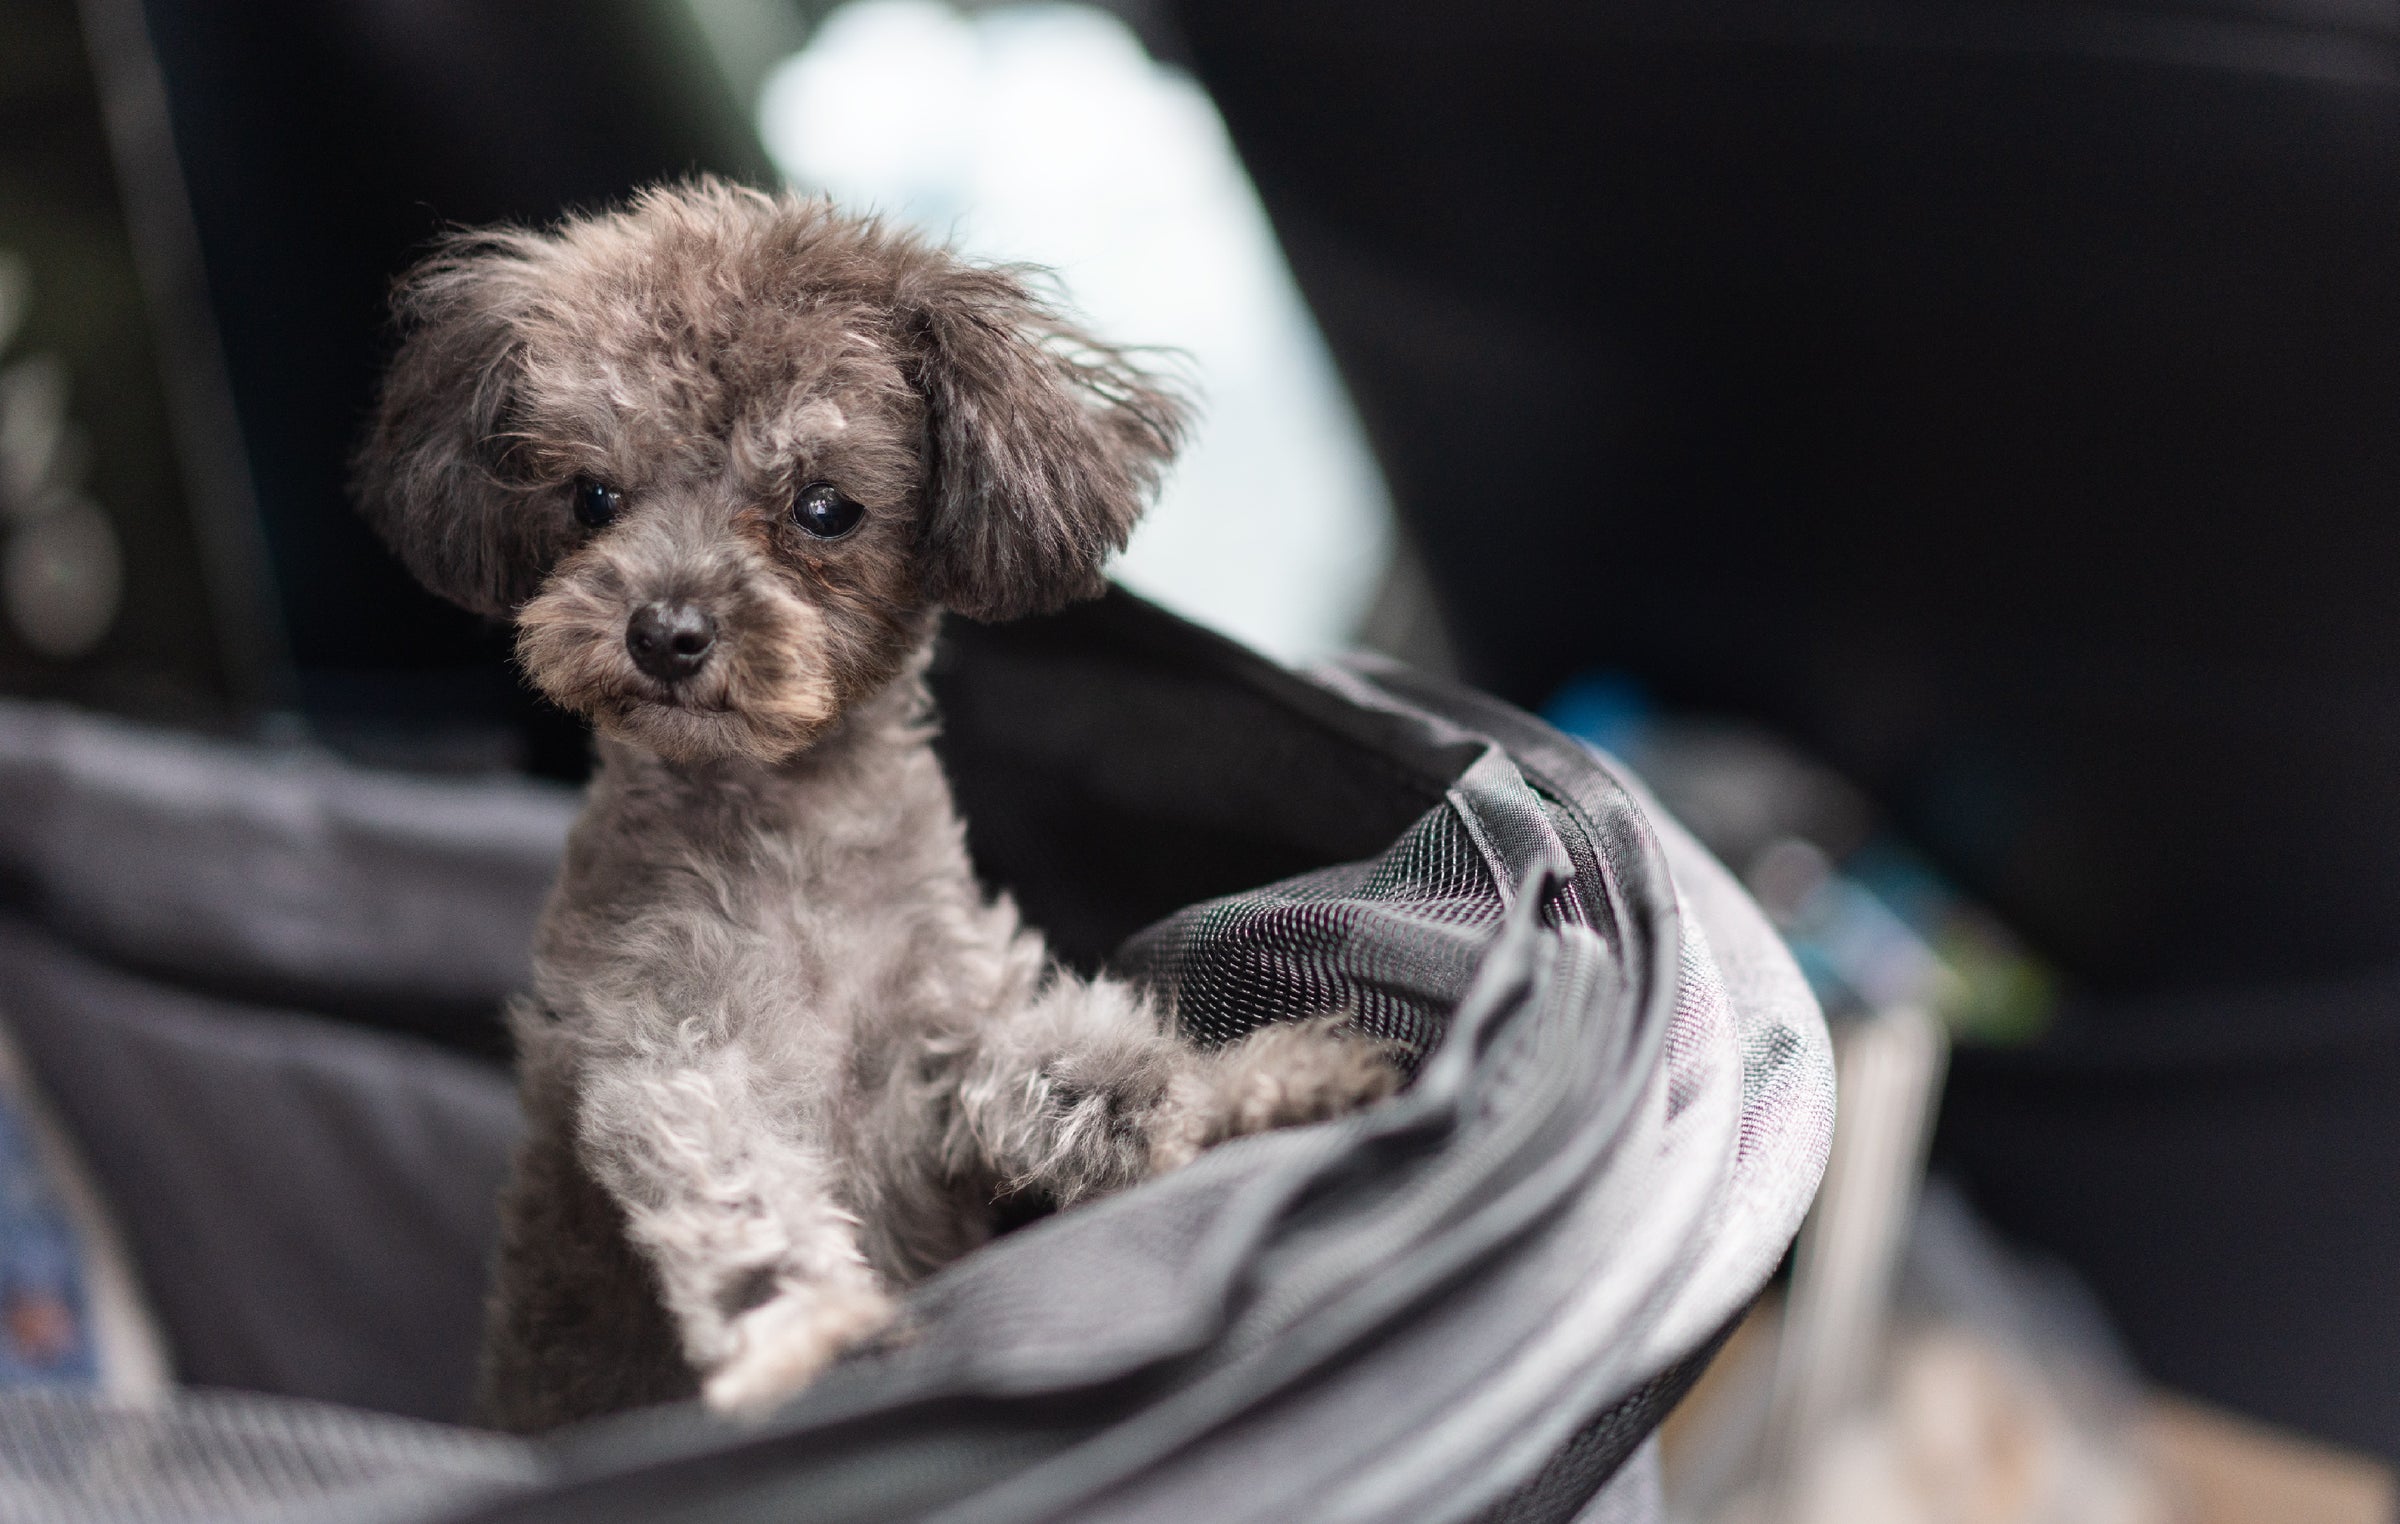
(670, 640)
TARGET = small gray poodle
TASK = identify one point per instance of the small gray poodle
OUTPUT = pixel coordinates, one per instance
(724, 458)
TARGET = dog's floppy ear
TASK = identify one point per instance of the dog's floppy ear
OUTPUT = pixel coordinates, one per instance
(1046, 445)
(431, 476)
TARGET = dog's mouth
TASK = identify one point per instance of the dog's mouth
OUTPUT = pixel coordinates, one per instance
(642, 699)
(699, 727)
(682, 727)
(661, 696)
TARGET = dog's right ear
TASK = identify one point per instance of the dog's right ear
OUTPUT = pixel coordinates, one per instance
(432, 476)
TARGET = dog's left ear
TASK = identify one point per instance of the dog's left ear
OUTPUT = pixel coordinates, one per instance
(1046, 445)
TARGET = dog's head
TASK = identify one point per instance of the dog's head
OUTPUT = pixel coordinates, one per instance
(722, 455)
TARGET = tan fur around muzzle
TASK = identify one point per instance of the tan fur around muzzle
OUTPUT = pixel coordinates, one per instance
(767, 689)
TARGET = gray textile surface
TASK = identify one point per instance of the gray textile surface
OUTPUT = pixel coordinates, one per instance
(310, 1206)
(221, 1455)
(281, 870)
(1622, 1105)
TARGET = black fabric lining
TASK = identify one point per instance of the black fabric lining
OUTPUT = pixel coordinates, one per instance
(1115, 764)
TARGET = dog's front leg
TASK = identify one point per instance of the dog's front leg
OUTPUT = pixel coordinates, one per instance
(757, 1262)
(1084, 1089)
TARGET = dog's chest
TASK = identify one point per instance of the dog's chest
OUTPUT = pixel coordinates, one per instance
(836, 900)
(798, 909)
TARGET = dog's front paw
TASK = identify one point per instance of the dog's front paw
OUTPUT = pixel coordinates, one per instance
(782, 1344)
(1279, 1076)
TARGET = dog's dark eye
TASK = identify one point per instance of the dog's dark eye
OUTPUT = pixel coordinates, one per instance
(596, 503)
(822, 510)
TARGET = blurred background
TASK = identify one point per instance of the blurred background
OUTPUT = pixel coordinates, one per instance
(1947, 445)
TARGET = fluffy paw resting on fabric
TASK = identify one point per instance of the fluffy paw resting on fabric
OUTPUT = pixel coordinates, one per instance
(779, 1346)
(1278, 1076)
(724, 458)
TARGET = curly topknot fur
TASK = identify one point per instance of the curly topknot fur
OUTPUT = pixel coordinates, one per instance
(781, 1054)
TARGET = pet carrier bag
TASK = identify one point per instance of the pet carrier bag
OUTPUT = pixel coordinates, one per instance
(1473, 1302)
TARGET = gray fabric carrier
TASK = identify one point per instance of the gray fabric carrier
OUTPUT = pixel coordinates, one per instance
(1474, 1302)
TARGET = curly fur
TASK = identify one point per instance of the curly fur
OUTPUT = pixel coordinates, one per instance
(782, 1055)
